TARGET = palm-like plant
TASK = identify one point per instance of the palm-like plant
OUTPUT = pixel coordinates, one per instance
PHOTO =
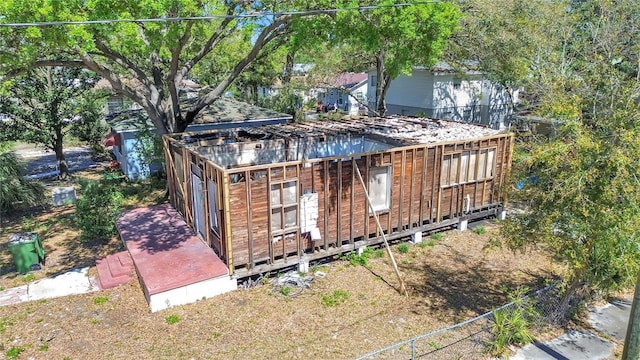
(15, 189)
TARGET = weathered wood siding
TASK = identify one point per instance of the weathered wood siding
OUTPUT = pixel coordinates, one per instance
(417, 199)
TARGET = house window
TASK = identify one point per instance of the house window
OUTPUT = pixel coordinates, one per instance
(284, 207)
(457, 82)
(374, 80)
(115, 104)
(213, 205)
(467, 166)
(380, 188)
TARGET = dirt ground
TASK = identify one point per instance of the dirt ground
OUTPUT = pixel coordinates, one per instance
(56, 228)
(351, 311)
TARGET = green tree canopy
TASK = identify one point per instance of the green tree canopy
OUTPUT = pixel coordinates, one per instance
(582, 192)
(147, 61)
(45, 104)
(397, 38)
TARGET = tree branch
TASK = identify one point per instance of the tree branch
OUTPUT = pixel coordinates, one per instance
(276, 28)
(121, 61)
(43, 63)
(215, 38)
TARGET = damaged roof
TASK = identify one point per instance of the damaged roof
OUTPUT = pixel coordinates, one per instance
(222, 111)
(402, 130)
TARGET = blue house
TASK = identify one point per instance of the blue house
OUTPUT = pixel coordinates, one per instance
(225, 113)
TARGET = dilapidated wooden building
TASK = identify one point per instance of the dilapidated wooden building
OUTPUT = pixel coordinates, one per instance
(269, 197)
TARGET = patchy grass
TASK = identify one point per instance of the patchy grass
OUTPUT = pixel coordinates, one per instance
(172, 319)
(349, 312)
(336, 298)
(480, 230)
(100, 300)
(403, 248)
(14, 352)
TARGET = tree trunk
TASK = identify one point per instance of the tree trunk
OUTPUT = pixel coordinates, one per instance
(288, 68)
(254, 94)
(62, 162)
(381, 104)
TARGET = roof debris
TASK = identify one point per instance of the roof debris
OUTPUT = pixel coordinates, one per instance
(401, 130)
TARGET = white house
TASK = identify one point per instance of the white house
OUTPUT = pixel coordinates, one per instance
(441, 93)
(348, 92)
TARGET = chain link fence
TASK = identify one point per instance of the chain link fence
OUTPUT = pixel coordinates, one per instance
(471, 339)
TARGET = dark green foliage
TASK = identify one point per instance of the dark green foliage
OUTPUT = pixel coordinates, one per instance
(46, 104)
(15, 189)
(90, 127)
(97, 210)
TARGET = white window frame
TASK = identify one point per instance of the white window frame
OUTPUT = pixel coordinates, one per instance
(480, 169)
(281, 207)
(385, 204)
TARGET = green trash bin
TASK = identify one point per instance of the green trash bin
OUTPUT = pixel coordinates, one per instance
(26, 250)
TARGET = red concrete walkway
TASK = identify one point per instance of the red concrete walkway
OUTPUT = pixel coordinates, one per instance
(166, 252)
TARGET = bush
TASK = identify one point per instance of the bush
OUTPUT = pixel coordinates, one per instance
(97, 210)
(15, 189)
(511, 325)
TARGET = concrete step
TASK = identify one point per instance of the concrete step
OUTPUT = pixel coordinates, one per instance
(115, 270)
(120, 263)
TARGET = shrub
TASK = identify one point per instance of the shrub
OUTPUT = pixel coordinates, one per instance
(97, 210)
(480, 230)
(511, 325)
(15, 189)
(403, 248)
(436, 236)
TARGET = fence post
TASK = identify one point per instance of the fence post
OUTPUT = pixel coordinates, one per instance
(413, 350)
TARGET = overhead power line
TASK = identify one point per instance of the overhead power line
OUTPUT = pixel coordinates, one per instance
(258, 14)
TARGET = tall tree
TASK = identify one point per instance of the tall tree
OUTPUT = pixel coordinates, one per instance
(583, 198)
(45, 104)
(397, 38)
(145, 61)
(510, 40)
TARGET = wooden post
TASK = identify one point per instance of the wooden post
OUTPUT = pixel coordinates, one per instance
(403, 289)
(509, 159)
(352, 200)
(227, 221)
(247, 181)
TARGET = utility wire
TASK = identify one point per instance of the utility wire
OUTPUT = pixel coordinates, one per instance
(211, 17)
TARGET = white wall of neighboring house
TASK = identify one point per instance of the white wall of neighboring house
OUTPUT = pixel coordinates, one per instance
(446, 95)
